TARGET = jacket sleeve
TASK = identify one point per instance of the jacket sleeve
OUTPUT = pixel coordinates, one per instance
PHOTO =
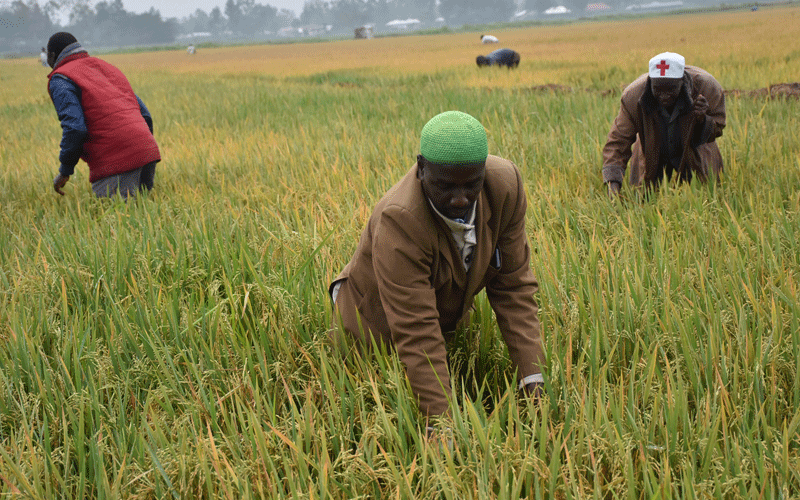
(145, 114)
(67, 100)
(617, 150)
(510, 293)
(403, 262)
(715, 116)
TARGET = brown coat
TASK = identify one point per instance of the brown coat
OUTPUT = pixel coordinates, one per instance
(408, 287)
(638, 121)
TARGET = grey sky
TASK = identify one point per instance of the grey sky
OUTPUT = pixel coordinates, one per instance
(183, 8)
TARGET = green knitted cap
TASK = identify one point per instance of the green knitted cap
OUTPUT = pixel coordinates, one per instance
(453, 138)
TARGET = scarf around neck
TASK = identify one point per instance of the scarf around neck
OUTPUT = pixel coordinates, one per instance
(69, 50)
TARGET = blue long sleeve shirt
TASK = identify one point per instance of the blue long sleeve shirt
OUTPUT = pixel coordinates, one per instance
(501, 56)
(67, 100)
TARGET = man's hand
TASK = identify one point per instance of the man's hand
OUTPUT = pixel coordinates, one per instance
(59, 182)
(535, 391)
(700, 107)
(440, 439)
(613, 189)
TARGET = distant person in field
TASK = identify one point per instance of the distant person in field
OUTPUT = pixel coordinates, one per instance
(103, 122)
(667, 125)
(43, 57)
(500, 57)
(452, 226)
(190, 50)
(489, 39)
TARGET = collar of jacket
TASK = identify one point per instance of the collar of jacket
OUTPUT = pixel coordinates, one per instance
(649, 103)
(70, 53)
(481, 213)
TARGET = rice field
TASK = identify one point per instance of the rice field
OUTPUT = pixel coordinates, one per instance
(174, 346)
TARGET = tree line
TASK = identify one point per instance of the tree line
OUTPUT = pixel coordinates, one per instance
(351, 13)
(25, 25)
(248, 17)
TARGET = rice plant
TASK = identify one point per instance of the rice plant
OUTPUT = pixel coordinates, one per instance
(175, 345)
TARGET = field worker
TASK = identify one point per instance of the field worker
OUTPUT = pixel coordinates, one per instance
(671, 116)
(190, 50)
(43, 57)
(453, 225)
(489, 39)
(500, 57)
(103, 122)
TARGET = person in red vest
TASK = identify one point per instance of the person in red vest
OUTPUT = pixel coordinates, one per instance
(103, 122)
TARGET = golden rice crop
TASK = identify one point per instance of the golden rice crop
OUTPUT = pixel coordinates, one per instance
(175, 345)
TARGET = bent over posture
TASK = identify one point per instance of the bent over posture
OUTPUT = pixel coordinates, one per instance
(452, 226)
(668, 123)
(500, 57)
(103, 122)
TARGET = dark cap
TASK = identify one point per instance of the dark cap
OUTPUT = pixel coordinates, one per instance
(60, 40)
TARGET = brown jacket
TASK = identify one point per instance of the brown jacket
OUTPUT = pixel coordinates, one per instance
(638, 121)
(407, 286)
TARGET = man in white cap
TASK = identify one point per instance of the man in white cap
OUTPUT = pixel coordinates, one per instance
(667, 124)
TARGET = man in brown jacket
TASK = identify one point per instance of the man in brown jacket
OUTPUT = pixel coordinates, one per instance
(671, 116)
(453, 225)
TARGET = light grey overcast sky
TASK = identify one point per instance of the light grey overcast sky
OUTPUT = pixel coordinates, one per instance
(183, 8)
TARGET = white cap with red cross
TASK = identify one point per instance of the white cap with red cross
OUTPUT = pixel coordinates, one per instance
(667, 65)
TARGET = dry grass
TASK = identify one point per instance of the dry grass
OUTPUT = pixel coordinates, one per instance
(175, 346)
(730, 45)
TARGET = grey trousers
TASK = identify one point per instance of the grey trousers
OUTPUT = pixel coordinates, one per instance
(127, 183)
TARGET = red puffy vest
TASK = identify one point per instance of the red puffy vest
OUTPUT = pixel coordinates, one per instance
(118, 139)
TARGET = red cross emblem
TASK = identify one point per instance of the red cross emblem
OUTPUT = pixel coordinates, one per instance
(663, 67)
